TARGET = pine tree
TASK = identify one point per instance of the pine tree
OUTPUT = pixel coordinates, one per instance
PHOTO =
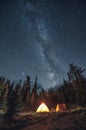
(76, 78)
(13, 101)
(3, 95)
(75, 72)
(26, 94)
(34, 94)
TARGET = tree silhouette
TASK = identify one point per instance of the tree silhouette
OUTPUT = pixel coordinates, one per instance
(76, 78)
(13, 101)
(34, 94)
(26, 94)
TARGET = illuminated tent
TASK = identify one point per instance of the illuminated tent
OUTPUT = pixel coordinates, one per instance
(42, 108)
(60, 107)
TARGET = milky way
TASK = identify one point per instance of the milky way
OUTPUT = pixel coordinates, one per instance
(48, 53)
(41, 37)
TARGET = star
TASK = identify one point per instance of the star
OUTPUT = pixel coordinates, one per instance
(61, 25)
(23, 73)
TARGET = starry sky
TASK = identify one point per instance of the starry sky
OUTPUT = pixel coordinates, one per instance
(41, 37)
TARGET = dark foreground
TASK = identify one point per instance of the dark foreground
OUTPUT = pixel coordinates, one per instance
(75, 120)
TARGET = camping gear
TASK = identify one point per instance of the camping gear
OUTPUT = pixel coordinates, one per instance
(42, 108)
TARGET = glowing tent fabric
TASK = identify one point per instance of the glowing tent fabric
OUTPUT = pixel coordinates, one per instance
(42, 108)
(60, 107)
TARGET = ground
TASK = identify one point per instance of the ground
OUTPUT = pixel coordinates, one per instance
(69, 120)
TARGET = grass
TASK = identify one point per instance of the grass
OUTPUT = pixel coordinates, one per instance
(69, 120)
(79, 109)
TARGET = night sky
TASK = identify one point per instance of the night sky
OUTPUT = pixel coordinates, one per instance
(41, 37)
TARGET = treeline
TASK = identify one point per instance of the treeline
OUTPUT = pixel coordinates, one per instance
(24, 97)
(73, 90)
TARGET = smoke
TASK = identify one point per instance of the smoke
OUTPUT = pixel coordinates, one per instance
(38, 29)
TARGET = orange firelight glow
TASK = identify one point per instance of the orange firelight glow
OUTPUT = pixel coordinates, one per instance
(42, 108)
